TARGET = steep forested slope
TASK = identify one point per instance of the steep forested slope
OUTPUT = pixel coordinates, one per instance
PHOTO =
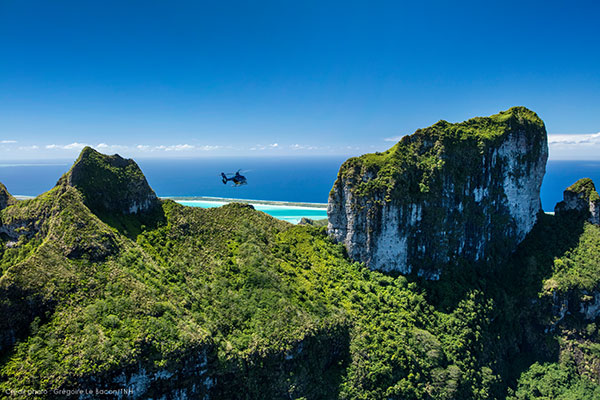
(210, 301)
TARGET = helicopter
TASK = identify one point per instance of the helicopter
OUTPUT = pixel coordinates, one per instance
(237, 179)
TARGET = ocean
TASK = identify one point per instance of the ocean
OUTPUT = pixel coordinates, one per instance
(291, 179)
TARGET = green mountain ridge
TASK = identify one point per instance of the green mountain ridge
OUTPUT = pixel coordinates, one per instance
(168, 301)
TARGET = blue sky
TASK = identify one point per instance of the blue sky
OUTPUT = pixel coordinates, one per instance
(198, 78)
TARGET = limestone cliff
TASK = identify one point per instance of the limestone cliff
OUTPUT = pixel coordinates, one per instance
(581, 197)
(465, 191)
(110, 184)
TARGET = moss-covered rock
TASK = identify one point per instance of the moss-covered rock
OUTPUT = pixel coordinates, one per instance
(465, 191)
(110, 184)
(581, 198)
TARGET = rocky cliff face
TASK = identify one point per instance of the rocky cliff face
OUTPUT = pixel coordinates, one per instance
(5, 198)
(581, 197)
(448, 192)
(110, 184)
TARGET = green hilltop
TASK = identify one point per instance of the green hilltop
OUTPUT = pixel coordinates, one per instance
(230, 303)
(585, 187)
(411, 165)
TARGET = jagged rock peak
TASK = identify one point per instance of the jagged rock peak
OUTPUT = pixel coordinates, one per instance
(6, 198)
(583, 198)
(110, 183)
(467, 191)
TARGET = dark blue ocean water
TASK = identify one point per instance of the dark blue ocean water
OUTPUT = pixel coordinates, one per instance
(562, 174)
(307, 179)
(280, 179)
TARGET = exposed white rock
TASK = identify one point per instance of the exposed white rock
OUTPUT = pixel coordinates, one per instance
(560, 308)
(135, 384)
(522, 183)
(591, 309)
(581, 197)
(5, 198)
(391, 254)
(479, 194)
(464, 212)
(595, 212)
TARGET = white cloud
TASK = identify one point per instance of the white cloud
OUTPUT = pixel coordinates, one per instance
(176, 147)
(78, 146)
(26, 148)
(141, 147)
(75, 145)
(271, 146)
(111, 147)
(209, 148)
(394, 138)
(574, 146)
(7, 141)
(303, 147)
(555, 139)
(70, 146)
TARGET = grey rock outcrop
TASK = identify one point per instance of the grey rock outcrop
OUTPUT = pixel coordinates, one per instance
(465, 191)
(582, 198)
(5, 198)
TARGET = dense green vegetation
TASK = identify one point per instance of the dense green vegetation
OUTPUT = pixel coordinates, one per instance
(232, 303)
(557, 381)
(578, 268)
(585, 186)
(247, 288)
